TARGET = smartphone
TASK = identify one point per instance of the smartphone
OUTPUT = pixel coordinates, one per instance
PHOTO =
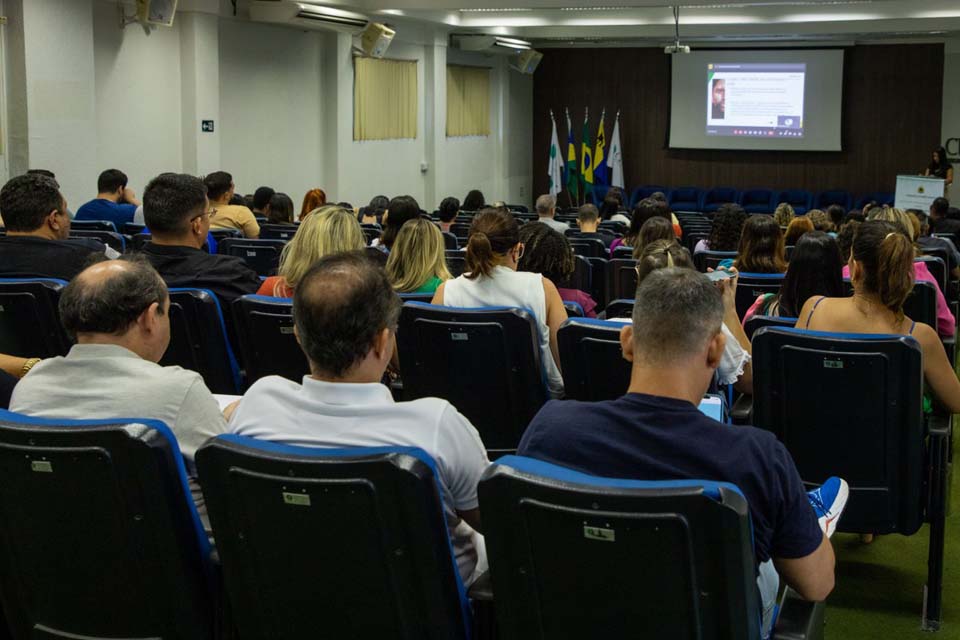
(718, 275)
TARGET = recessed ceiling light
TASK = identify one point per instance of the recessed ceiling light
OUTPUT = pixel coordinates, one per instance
(501, 10)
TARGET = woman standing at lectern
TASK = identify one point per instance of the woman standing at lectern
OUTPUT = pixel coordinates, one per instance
(940, 167)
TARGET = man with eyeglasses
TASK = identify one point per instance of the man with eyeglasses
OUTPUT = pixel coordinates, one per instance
(37, 225)
(177, 212)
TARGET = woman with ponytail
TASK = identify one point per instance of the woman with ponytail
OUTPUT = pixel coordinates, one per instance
(882, 275)
(491, 279)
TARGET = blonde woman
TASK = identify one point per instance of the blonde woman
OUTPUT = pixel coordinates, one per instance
(784, 214)
(326, 230)
(417, 263)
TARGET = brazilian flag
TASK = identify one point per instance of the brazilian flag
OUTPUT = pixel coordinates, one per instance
(573, 186)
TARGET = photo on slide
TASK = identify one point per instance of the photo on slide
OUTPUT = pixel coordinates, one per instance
(755, 100)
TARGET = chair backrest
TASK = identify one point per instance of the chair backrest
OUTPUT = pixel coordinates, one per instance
(757, 200)
(574, 310)
(100, 538)
(717, 196)
(450, 241)
(224, 234)
(711, 259)
(937, 267)
(110, 238)
(582, 276)
(371, 232)
(623, 252)
(486, 362)
(29, 320)
(684, 198)
(614, 226)
(456, 262)
(755, 322)
(265, 332)
(591, 359)
(639, 559)
(461, 230)
(751, 286)
(598, 280)
(263, 256)
(848, 405)
(366, 528)
(283, 232)
(921, 304)
(837, 196)
(621, 279)
(588, 247)
(198, 340)
(645, 192)
(799, 199)
(132, 228)
(93, 225)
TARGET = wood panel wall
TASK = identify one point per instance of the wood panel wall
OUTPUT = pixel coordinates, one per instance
(892, 109)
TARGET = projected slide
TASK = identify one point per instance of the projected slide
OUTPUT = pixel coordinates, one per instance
(755, 100)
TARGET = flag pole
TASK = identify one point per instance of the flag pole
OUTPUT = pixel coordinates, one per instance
(566, 183)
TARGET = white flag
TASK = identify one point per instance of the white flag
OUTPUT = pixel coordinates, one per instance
(615, 157)
(555, 165)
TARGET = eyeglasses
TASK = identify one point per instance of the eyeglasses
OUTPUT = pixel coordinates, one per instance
(207, 213)
(520, 251)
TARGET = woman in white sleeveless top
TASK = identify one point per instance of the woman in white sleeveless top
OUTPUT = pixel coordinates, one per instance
(492, 280)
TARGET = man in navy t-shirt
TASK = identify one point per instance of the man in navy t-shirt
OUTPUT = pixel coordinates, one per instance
(115, 201)
(656, 431)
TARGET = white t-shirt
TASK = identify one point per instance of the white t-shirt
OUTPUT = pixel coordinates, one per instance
(556, 225)
(509, 288)
(335, 415)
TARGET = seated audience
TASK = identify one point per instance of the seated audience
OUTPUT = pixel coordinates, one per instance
(261, 201)
(854, 214)
(38, 225)
(346, 314)
(611, 207)
(796, 229)
(12, 368)
(242, 201)
(326, 231)
(178, 213)
(549, 253)
(821, 221)
(474, 201)
(280, 209)
(940, 220)
(312, 200)
(735, 367)
(546, 209)
(656, 432)
(115, 201)
(645, 209)
(418, 263)
(946, 322)
(224, 215)
(616, 194)
(784, 214)
(373, 212)
(493, 252)
(927, 241)
(815, 269)
(449, 208)
(400, 210)
(845, 238)
(882, 277)
(836, 213)
(654, 229)
(588, 221)
(761, 247)
(118, 312)
(725, 231)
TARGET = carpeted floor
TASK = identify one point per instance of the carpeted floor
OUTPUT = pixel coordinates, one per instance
(879, 592)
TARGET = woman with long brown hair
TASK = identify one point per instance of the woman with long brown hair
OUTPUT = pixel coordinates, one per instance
(761, 247)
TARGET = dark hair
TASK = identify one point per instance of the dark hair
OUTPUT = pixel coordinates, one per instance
(816, 269)
(43, 172)
(400, 210)
(588, 213)
(474, 201)
(492, 233)
(645, 209)
(728, 223)
(111, 180)
(281, 209)
(836, 213)
(615, 193)
(854, 214)
(676, 313)
(845, 237)
(261, 197)
(798, 227)
(379, 203)
(243, 201)
(345, 205)
(27, 200)
(171, 200)
(656, 228)
(660, 254)
(761, 246)
(940, 206)
(609, 207)
(886, 255)
(943, 163)
(449, 208)
(340, 306)
(218, 183)
(547, 252)
(114, 302)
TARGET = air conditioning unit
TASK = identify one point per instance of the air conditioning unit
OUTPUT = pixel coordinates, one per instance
(526, 61)
(307, 16)
(156, 12)
(488, 43)
(375, 39)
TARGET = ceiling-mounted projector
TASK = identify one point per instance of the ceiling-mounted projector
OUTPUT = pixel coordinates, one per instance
(676, 48)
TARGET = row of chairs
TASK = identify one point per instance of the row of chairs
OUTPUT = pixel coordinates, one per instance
(103, 515)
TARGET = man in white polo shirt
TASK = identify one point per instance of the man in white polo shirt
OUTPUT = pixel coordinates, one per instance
(345, 314)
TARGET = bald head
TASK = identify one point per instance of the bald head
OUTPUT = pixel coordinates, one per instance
(108, 297)
(340, 307)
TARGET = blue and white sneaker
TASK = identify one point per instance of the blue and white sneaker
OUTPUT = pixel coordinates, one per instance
(828, 502)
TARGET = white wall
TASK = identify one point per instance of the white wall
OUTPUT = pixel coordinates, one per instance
(951, 96)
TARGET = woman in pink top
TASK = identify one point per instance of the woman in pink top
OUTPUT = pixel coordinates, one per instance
(549, 253)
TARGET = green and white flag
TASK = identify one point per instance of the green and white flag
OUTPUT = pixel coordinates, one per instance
(555, 166)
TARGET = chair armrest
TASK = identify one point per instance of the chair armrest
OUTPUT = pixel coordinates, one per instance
(742, 410)
(482, 589)
(799, 619)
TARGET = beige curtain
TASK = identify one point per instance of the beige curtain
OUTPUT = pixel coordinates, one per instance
(468, 101)
(384, 99)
